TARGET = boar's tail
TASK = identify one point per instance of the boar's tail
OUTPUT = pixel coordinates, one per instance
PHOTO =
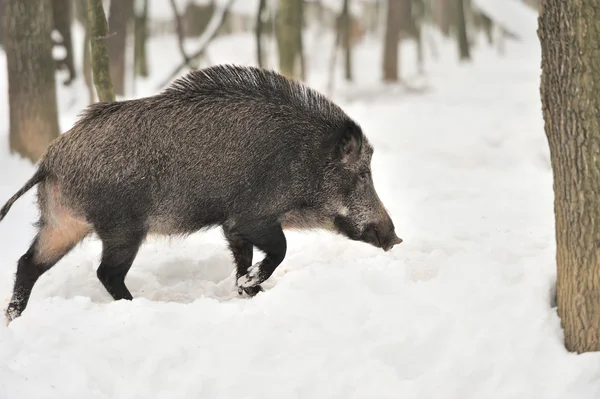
(35, 179)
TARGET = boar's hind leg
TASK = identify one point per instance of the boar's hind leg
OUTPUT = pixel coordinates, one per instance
(119, 249)
(53, 241)
(242, 255)
(270, 239)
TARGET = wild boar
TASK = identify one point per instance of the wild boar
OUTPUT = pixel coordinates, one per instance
(242, 148)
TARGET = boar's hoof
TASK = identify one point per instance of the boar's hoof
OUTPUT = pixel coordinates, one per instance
(250, 291)
(11, 313)
(252, 278)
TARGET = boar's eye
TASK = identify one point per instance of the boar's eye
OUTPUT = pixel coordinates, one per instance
(363, 176)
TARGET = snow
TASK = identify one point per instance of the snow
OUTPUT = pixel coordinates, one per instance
(461, 309)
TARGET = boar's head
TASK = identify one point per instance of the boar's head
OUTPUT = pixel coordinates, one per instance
(348, 187)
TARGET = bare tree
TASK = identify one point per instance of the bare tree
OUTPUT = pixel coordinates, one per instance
(397, 12)
(441, 10)
(140, 57)
(569, 91)
(289, 37)
(345, 25)
(461, 30)
(418, 9)
(98, 32)
(120, 13)
(31, 84)
(82, 15)
(216, 22)
(179, 30)
(262, 7)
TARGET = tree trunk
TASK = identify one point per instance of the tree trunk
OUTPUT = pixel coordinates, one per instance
(346, 40)
(301, 62)
(289, 30)
(461, 31)
(262, 6)
(444, 16)
(392, 39)
(570, 37)
(31, 84)
(140, 58)
(81, 15)
(87, 67)
(418, 17)
(119, 15)
(100, 66)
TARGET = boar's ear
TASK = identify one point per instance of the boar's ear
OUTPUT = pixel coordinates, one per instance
(349, 144)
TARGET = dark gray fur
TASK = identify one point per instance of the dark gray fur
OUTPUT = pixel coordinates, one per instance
(237, 147)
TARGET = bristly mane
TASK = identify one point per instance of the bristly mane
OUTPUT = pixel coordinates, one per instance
(249, 81)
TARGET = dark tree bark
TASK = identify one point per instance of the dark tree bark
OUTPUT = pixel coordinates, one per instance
(120, 13)
(100, 65)
(140, 57)
(262, 6)
(62, 14)
(570, 37)
(461, 30)
(31, 84)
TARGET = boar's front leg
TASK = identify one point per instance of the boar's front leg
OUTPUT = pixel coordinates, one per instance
(269, 238)
(242, 255)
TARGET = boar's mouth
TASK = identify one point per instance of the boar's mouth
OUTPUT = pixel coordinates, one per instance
(380, 237)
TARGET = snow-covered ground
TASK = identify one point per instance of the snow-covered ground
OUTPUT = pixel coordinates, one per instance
(462, 309)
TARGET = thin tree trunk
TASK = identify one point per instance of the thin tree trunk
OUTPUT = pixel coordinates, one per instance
(140, 57)
(100, 64)
(120, 13)
(81, 14)
(461, 31)
(87, 67)
(288, 25)
(262, 6)
(33, 110)
(179, 30)
(420, 55)
(346, 40)
(418, 7)
(569, 90)
(445, 13)
(392, 39)
(299, 41)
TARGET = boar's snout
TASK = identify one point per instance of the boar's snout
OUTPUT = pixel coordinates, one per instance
(381, 234)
